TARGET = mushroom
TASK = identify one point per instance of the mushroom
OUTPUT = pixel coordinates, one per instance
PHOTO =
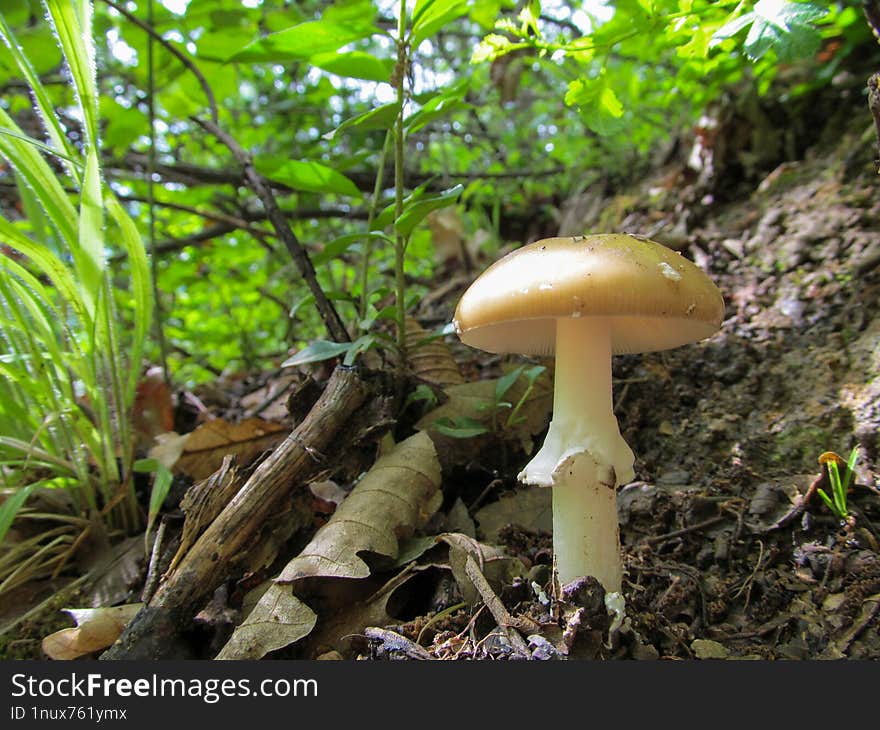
(584, 299)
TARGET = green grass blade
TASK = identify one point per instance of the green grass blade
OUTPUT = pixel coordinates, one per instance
(72, 21)
(43, 103)
(141, 287)
(36, 173)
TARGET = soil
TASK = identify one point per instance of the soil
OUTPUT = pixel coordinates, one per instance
(729, 550)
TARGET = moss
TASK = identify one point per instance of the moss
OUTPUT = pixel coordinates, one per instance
(24, 641)
(798, 445)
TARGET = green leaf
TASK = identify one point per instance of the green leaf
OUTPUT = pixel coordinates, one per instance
(416, 211)
(438, 106)
(784, 26)
(10, 507)
(73, 28)
(318, 351)
(381, 117)
(88, 254)
(162, 479)
(598, 104)
(339, 246)
(504, 383)
(462, 427)
(354, 65)
(486, 12)
(431, 15)
(303, 41)
(307, 175)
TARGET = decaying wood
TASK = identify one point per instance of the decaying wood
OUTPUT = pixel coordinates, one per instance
(208, 562)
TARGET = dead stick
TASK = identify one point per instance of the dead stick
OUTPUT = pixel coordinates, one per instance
(208, 563)
(499, 611)
(258, 184)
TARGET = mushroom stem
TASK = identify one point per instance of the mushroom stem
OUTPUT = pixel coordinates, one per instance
(586, 536)
(584, 457)
(583, 415)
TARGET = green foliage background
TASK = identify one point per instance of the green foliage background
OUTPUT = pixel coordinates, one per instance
(521, 104)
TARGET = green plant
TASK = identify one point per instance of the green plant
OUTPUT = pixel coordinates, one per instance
(468, 427)
(70, 365)
(839, 485)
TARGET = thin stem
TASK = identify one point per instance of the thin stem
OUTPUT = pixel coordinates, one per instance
(368, 244)
(399, 242)
(159, 330)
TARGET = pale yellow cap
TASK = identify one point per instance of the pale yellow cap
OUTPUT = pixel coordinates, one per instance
(653, 297)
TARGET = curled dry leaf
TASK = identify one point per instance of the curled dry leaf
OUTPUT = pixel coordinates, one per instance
(209, 443)
(396, 497)
(430, 358)
(96, 629)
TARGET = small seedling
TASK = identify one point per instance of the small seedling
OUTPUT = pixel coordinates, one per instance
(839, 484)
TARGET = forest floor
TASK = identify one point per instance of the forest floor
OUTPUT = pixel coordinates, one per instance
(729, 552)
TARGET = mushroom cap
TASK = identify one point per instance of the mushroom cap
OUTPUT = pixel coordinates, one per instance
(653, 297)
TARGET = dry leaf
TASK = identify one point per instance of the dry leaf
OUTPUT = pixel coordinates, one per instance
(269, 402)
(278, 620)
(209, 443)
(530, 508)
(430, 358)
(96, 629)
(152, 412)
(394, 498)
(459, 520)
(168, 448)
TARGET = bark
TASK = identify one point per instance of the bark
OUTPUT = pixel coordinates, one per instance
(154, 631)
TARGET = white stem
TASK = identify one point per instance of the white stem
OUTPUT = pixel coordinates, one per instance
(586, 537)
(583, 415)
(584, 457)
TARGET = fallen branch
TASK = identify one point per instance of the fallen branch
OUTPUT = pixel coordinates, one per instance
(212, 557)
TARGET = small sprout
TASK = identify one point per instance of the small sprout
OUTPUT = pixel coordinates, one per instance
(839, 485)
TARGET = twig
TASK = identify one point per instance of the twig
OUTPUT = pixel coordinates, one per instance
(800, 506)
(499, 612)
(152, 573)
(257, 182)
(684, 530)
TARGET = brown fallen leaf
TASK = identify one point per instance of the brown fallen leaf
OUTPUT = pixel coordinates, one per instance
(153, 411)
(429, 357)
(209, 443)
(96, 629)
(529, 507)
(396, 497)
